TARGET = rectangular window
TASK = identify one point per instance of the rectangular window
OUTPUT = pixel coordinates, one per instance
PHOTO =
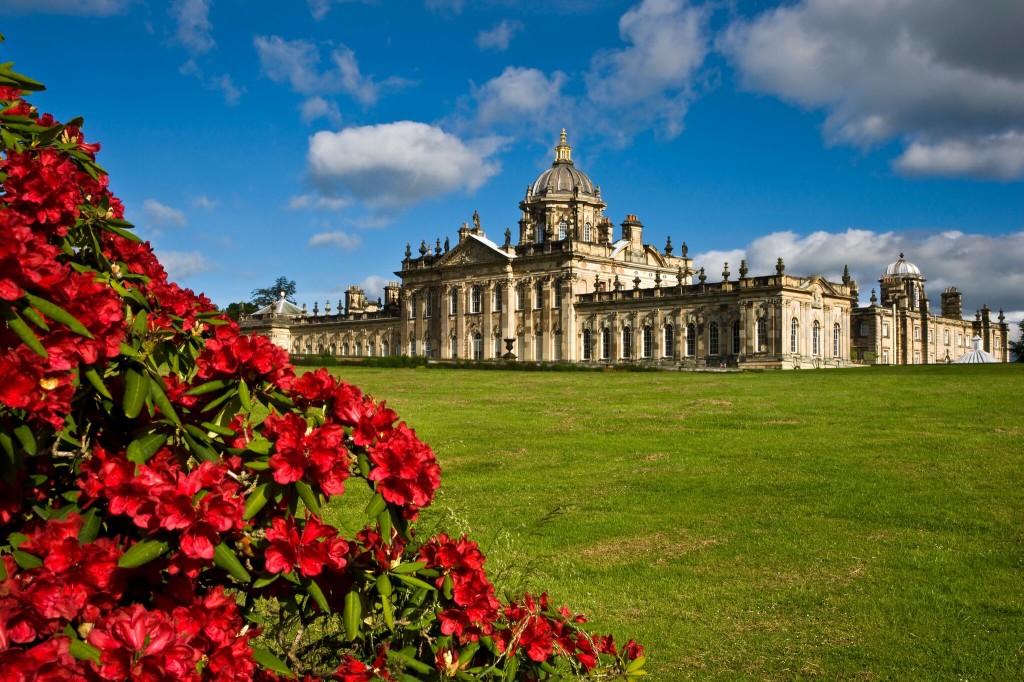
(497, 298)
(945, 336)
(412, 307)
(556, 300)
(917, 333)
(455, 347)
(538, 347)
(520, 297)
(669, 344)
(885, 357)
(863, 329)
(412, 347)
(428, 307)
(497, 347)
(885, 331)
(606, 344)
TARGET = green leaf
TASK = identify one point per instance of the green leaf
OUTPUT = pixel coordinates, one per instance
(636, 664)
(409, 567)
(384, 585)
(136, 386)
(27, 439)
(414, 582)
(270, 661)
(257, 499)
(140, 325)
(209, 387)
(26, 560)
(308, 497)
(409, 661)
(3, 571)
(16, 539)
(18, 326)
(156, 392)
(388, 612)
(142, 553)
(259, 445)
(84, 651)
(511, 668)
(94, 379)
(364, 464)
(352, 615)
(144, 447)
(33, 316)
(200, 450)
(218, 429)
(243, 395)
(375, 506)
(130, 236)
(58, 314)
(263, 582)
(314, 591)
(129, 351)
(90, 527)
(226, 558)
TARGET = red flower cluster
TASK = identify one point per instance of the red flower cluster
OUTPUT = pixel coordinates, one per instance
(250, 358)
(317, 456)
(462, 563)
(316, 547)
(405, 469)
(161, 495)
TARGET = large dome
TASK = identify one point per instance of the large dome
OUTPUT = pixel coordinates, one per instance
(903, 268)
(563, 177)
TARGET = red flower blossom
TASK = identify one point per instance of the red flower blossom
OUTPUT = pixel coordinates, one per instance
(317, 546)
(405, 469)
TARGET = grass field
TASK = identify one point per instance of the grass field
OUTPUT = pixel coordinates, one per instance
(863, 524)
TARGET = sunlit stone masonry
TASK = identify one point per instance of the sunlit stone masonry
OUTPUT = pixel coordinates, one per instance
(573, 287)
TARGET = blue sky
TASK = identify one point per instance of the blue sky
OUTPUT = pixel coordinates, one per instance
(252, 139)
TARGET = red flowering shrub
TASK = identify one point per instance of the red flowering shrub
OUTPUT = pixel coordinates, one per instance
(163, 477)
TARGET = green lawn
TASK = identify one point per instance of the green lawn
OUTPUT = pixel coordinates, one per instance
(840, 524)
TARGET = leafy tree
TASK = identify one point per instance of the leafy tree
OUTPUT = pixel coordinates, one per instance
(236, 310)
(1017, 347)
(261, 298)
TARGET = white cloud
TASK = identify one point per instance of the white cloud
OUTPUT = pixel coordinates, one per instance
(320, 8)
(341, 240)
(317, 107)
(373, 286)
(520, 95)
(945, 77)
(650, 82)
(81, 8)
(499, 37)
(204, 202)
(997, 156)
(161, 215)
(193, 30)
(985, 268)
(224, 83)
(183, 264)
(304, 201)
(297, 63)
(394, 165)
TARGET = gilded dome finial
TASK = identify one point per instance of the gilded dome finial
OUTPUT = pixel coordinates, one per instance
(563, 150)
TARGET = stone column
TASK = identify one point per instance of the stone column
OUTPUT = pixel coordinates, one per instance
(446, 323)
(486, 326)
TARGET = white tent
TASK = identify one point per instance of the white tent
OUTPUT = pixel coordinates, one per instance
(975, 354)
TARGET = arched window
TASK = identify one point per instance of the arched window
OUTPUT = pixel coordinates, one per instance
(736, 337)
(538, 346)
(344, 349)
(359, 350)
(627, 342)
(586, 344)
(497, 346)
(606, 343)
(474, 299)
(385, 349)
(815, 333)
(426, 345)
(497, 298)
(413, 301)
(562, 228)
(520, 297)
(794, 329)
(453, 302)
(557, 296)
(455, 347)
(835, 340)
(648, 341)
(587, 232)
(691, 339)
(371, 348)
(670, 339)
(762, 334)
(556, 353)
(538, 294)
(412, 347)
(713, 339)
(478, 346)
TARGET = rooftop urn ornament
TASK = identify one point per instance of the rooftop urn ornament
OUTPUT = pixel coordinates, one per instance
(725, 272)
(780, 267)
(702, 277)
(874, 299)
(304, 309)
(408, 250)
(617, 284)
(657, 280)
(437, 248)
(1001, 316)
(636, 283)
(327, 307)
(423, 247)
(339, 306)
(743, 268)
(476, 220)
(316, 308)
(668, 246)
(597, 282)
(680, 276)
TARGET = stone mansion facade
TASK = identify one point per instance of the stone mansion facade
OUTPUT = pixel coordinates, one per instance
(569, 289)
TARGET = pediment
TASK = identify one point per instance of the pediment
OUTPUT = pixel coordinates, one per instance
(474, 251)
